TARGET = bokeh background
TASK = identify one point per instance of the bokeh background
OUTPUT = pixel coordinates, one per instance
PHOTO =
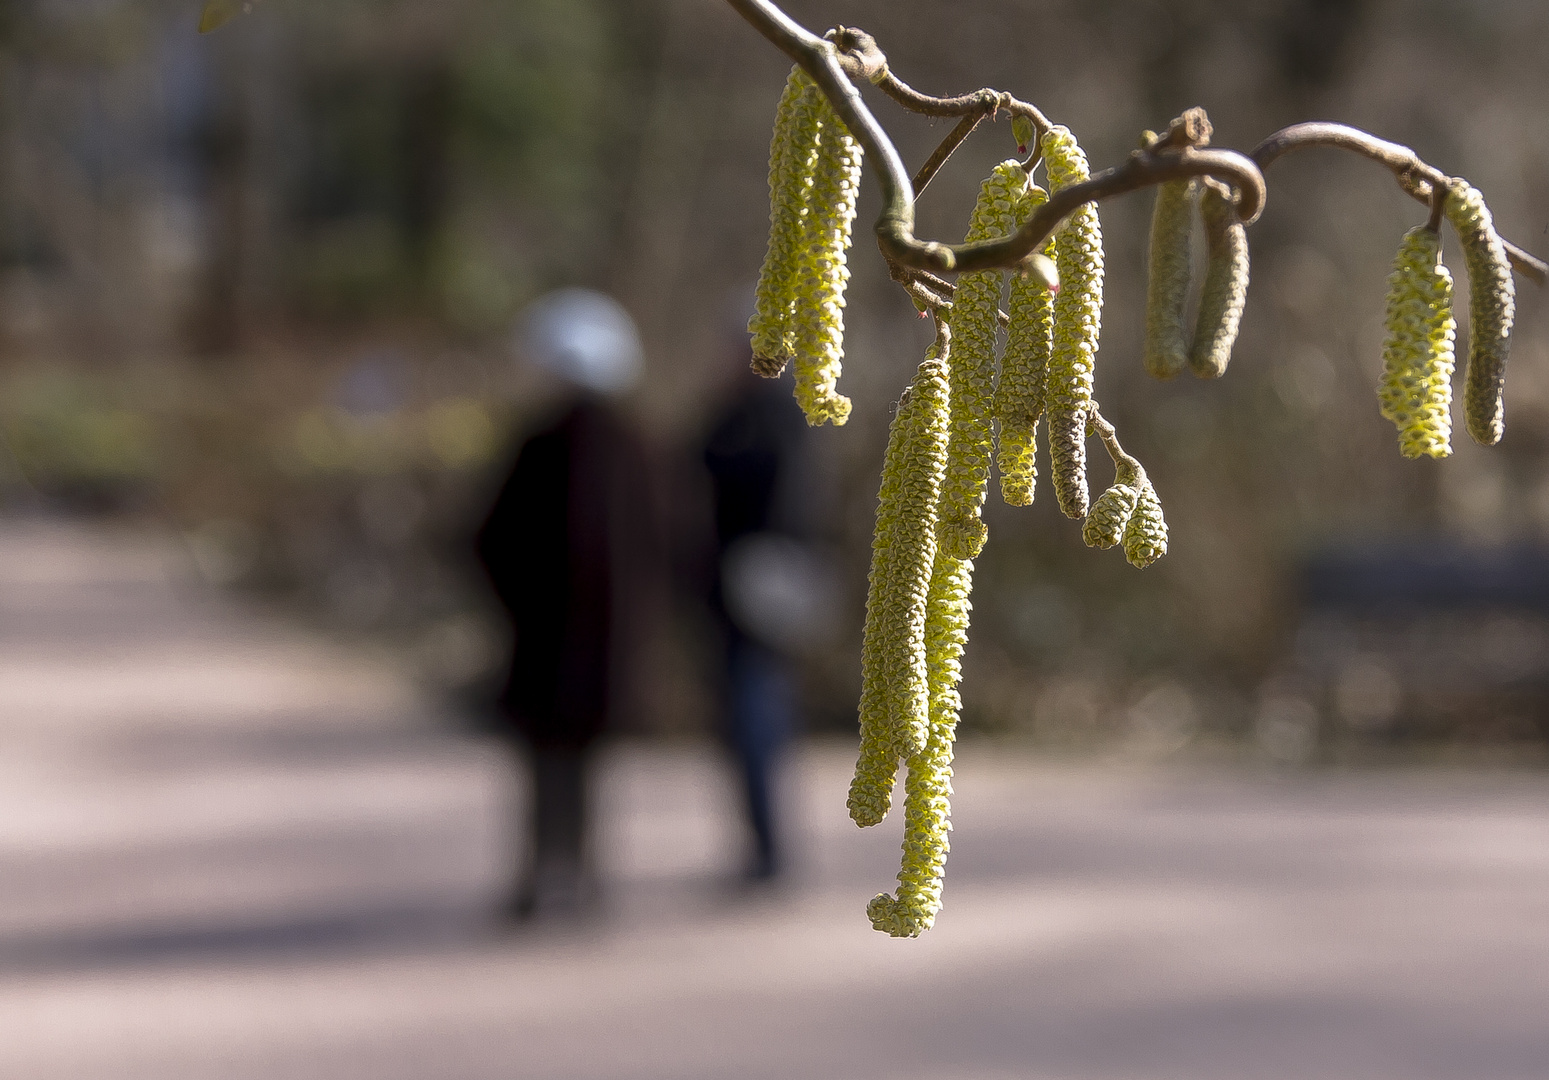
(261, 284)
(258, 292)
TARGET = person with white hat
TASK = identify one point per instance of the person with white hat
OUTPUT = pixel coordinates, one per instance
(565, 546)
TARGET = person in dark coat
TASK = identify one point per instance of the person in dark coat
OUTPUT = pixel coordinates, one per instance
(751, 453)
(563, 549)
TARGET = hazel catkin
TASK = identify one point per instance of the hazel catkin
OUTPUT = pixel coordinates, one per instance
(1077, 325)
(793, 152)
(1167, 285)
(894, 706)
(1492, 308)
(1145, 537)
(1226, 285)
(1024, 369)
(928, 786)
(1104, 526)
(975, 326)
(824, 273)
(1417, 358)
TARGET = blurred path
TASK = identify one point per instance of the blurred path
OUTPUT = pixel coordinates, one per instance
(229, 849)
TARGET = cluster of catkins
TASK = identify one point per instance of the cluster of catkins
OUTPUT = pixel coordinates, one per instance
(814, 176)
(941, 446)
(1415, 391)
(974, 402)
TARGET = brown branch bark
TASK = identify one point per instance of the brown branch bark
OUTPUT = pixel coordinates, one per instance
(831, 69)
(1415, 176)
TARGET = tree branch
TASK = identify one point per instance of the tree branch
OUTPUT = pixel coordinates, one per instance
(1415, 176)
(1143, 169)
(831, 70)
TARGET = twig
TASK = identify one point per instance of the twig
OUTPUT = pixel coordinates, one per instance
(1110, 438)
(953, 140)
(1415, 176)
(933, 291)
(982, 102)
(1438, 207)
(822, 60)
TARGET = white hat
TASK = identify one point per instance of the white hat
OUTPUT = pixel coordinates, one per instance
(584, 337)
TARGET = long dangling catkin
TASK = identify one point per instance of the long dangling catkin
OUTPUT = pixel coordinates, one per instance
(1492, 307)
(1078, 312)
(823, 273)
(1226, 285)
(792, 158)
(1145, 537)
(894, 707)
(1416, 388)
(1024, 369)
(974, 328)
(1167, 287)
(928, 788)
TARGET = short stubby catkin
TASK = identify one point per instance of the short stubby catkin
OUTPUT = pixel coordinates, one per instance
(792, 158)
(1024, 369)
(895, 696)
(1226, 285)
(975, 325)
(1104, 526)
(1145, 537)
(1167, 286)
(928, 787)
(1417, 358)
(1492, 308)
(823, 273)
(1078, 313)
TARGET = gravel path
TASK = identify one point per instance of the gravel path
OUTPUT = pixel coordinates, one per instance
(232, 850)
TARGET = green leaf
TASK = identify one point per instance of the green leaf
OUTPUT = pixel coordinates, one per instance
(218, 13)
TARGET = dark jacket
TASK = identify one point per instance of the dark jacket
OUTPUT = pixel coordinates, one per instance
(563, 547)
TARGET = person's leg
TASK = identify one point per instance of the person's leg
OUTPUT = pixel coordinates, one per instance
(557, 878)
(761, 720)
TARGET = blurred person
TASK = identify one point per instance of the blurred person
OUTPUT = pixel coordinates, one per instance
(567, 548)
(763, 591)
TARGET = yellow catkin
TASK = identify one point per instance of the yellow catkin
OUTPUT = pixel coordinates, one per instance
(823, 273)
(1167, 287)
(974, 329)
(1078, 309)
(1417, 359)
(1492, 306)
(894, 707)
(928, 788)
(793, 155)
(1145, 537)
(1024, 369)
(1226, 286)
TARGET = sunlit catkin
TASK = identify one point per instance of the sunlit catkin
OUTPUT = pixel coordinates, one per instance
(1226, 285)
(1145, 537)
(1167, 287)
(1024, 369)
(894, 707)
(823, 274)
(974, 328)
(1417, 359)
(1492, 305)
(1078, 308)
(928, 788)
(792, 157)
